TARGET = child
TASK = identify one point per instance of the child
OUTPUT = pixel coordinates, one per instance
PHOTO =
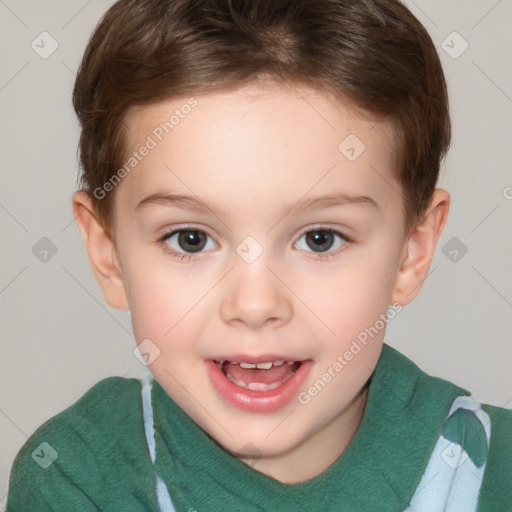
(259, 190)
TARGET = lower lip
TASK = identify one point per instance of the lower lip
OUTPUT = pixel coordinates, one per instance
(258, 401)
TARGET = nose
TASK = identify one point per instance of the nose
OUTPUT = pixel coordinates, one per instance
(254, 296)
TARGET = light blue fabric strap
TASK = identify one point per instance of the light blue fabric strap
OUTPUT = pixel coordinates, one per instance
(147, 414)
(164, 499)
(452, 481)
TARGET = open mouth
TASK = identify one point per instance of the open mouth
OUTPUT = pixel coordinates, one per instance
(263, 376)
(261, 385)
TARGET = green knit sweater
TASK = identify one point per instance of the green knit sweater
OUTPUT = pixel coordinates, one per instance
(94, 455)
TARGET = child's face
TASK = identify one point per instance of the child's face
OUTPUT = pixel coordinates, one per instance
(251, 160)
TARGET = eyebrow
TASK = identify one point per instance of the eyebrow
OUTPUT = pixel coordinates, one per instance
(193, 203)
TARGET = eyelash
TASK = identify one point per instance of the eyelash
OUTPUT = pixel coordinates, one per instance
(186, 257)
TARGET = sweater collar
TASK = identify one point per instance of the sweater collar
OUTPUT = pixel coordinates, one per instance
(379, 470)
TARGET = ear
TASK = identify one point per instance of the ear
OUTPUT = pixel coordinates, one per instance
(101, 251)
(419, 249)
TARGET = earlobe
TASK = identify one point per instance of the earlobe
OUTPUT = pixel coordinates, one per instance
(101, 251)
(419, 249)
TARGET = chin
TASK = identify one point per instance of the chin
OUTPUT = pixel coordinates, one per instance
(258, 444)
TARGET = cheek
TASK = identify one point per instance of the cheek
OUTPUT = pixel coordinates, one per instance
(350, 297)
(159, 296)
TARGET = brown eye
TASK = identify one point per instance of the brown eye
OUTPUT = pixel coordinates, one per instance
(187, 240)
(192, 241)
(321, 240)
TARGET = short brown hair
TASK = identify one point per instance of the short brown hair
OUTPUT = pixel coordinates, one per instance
(373, 53)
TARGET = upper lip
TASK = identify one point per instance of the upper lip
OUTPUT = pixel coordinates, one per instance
(255, 359)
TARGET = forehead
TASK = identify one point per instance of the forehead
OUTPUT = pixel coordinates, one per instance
(256, 140)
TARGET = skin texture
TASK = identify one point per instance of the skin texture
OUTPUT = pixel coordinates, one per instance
(251, 154)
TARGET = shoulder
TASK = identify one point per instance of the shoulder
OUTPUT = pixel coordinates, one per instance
(496, 491)
(413, 385)
(484, 434)
(95, 416)
(471, 442)
(112, 397)
(427, 391)
(70, 456)
(98, 412)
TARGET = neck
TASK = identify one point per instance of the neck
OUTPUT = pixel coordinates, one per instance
(319, 451)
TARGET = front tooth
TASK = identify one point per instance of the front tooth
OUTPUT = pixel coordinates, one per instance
(278, 363)
(247, 365)
(258, 386)
(264, 366)
(240, 383)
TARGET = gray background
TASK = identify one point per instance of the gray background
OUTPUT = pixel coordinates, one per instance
(58, 335)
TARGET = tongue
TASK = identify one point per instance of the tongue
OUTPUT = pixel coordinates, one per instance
(274, 374)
